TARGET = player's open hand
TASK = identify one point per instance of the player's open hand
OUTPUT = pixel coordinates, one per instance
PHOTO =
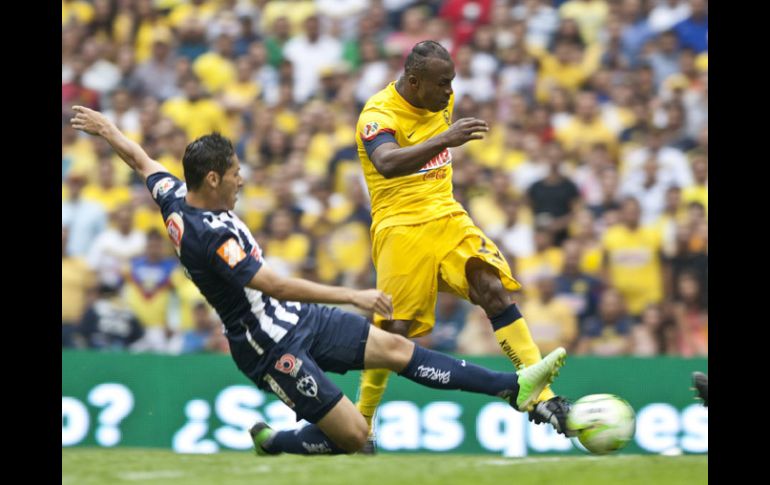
(90, 121)
(465, 130)
(374, 301)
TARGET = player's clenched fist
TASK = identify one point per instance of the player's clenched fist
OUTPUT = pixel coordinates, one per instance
(374, 300)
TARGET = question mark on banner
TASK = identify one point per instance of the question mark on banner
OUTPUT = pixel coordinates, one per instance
(74, 421)
(118, 402)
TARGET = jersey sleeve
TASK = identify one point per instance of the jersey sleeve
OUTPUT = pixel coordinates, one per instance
(229, 260)
(165, 188)
(376, 127)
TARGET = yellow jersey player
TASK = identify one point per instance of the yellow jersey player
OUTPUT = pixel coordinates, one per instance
(423, 241)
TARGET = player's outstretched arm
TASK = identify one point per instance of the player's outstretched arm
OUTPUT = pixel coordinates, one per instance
(393, 161)
(296, 289)
(95, 123)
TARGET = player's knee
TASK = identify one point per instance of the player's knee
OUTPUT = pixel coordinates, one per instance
(401, 345)
(400, 350)
(354, 437)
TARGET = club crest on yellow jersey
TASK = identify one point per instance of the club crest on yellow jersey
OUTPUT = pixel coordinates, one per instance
(370, 131)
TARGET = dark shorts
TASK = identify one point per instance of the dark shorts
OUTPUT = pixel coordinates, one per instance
(329, 340)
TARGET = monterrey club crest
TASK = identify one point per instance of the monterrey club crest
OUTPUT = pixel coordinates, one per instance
(307, 386)
(370, 130)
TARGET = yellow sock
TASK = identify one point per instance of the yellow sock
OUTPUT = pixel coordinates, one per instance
(517, 344)
(372, 387)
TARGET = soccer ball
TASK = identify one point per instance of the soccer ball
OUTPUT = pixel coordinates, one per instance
(604, 422)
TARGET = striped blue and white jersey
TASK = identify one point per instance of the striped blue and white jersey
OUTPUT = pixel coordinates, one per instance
(220, 256)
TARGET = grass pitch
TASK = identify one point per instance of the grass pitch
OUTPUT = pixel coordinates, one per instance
(85, 466)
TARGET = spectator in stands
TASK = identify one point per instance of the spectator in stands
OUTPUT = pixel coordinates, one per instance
(691, 317)
(590, 15)
(550, 319)
(156, 76)
(216, 68)
(609, 333)
(286, 247)
(148, 292)
(690, 256)
(111, 252)
(477, 336)
(632, 259)
(649, 188)
(108, 192)
(74, 92)
(554, 197)
(655, 334)
(204, 337)
(699, 190)
(517, 237)
(309, 53)
(547, 259)
(77, 281)
(109, 324)
(693, 31)
(195, 111)
(83, 220)
(278, 35)
(664, 59)
(587, 128)
(575, 288)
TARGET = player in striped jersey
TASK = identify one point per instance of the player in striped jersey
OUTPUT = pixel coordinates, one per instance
(277, 337)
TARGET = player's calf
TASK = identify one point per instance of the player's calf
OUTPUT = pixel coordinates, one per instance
(342, 430)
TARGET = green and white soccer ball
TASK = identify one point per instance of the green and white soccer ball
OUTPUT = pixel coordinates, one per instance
(604, 422)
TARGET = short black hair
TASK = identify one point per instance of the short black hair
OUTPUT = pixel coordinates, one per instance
(417, 60)
(207, 153)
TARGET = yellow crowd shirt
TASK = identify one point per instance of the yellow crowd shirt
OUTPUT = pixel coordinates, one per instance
(635, 265)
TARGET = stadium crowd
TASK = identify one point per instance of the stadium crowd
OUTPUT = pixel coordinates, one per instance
(593, 178)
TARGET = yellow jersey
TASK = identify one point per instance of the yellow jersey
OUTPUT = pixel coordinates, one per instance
(418, 197)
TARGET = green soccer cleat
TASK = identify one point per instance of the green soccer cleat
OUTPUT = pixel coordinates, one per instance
(535, 378)
(260, 433)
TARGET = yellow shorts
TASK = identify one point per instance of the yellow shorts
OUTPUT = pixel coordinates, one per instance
(415, 262)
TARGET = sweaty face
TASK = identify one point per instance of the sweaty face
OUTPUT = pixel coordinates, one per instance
(435, 84)
(230, 184)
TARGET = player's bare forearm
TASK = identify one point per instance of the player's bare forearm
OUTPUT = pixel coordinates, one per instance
(297, 289)
(95, 123)
(131, 152)
(393, 161)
